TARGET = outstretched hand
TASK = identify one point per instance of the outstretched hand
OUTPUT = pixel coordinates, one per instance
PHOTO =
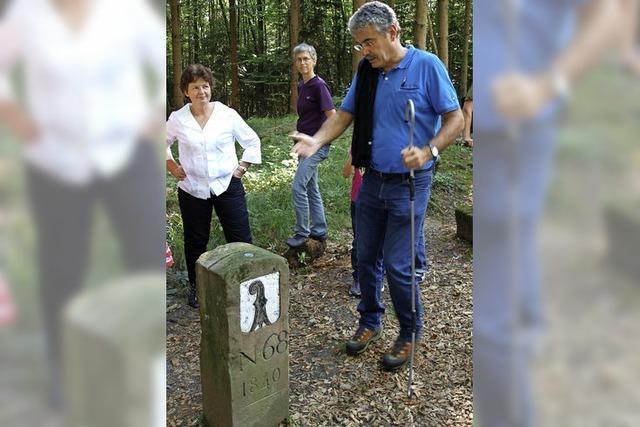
(306, 146)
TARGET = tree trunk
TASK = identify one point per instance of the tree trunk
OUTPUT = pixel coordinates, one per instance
(177, 99)
(443, 31)
(464, 71)
(355, 57)
(233, 34)
(432, 37)
(294, 17)
(420, 30)
(195, 17)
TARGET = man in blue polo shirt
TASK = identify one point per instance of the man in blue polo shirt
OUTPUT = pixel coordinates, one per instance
(388, 76)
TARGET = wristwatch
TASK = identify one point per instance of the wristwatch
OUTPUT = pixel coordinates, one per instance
(560, 84)
(434, 152)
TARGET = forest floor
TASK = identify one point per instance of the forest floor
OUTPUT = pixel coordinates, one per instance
(327, 387)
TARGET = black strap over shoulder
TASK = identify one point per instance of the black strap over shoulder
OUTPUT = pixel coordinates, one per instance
(366, 86)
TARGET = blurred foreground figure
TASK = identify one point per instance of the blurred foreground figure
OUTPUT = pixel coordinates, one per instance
(528, 54)
(75, 90)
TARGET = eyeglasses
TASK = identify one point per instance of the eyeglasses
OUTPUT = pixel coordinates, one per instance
(367, 43)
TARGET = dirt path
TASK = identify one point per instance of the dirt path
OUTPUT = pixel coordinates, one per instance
(329, 388)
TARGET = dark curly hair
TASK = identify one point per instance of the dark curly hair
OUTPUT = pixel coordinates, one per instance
(194, 72)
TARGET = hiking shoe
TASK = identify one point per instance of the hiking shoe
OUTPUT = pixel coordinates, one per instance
(297, 240)
(355, 289)
(398, 356)
(361, 340)
(319, 237)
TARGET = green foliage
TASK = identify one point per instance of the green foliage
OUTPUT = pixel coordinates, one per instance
(453, 181)
(264, 51)
(302, 258)
(268, 188)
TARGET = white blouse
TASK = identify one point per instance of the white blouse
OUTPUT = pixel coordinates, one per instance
(86, 91)
(208, 155)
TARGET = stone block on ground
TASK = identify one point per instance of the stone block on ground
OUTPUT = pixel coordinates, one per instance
(114, 354)
(623, 231)
(244, 354)
(464, 222)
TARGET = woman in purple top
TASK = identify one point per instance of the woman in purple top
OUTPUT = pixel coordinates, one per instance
(314, 107)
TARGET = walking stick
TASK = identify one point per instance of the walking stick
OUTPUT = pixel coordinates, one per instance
(410, 117)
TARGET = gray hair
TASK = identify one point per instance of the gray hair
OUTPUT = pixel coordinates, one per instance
(376, 14)
(305, 48)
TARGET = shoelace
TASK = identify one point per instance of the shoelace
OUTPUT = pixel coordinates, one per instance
(360, 333)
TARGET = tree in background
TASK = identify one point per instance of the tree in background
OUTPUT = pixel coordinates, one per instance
(177, 99)
(466, 30)
(247, 44)
(420, 30)
(294, 16)
(443, 31)
(233, 37)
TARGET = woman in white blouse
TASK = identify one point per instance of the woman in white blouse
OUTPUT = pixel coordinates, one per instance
(209, 173)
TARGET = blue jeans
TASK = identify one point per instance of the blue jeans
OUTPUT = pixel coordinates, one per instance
(421, 256)
(384, 222)
(354, 251)
(307, 201)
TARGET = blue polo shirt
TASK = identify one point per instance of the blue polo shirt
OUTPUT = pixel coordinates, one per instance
(525, 39)
(422, 77)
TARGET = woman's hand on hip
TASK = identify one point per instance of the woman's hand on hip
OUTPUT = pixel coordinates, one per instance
(240, 171)
(177, 172)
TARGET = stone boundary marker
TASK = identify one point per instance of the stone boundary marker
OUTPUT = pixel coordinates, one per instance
(114, 354)
(244, 348)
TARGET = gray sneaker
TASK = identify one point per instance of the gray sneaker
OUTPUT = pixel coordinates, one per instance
(297, 240)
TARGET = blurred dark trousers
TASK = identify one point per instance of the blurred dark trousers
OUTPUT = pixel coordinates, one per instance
(64, 219)
(231, 209)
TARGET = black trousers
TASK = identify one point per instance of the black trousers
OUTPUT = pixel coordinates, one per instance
(231, 209)
(63, 214)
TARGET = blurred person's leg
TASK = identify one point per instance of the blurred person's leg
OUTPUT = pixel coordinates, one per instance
(510, 178)
(63, 217)
(134, 200)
